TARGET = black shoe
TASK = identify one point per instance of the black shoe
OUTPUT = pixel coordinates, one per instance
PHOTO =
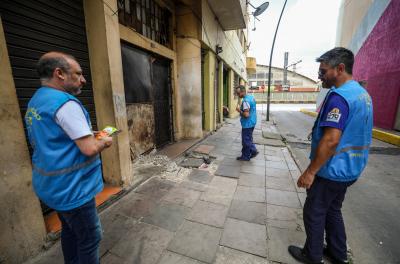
(334, 259)
(254, 154)
(242, 159)
(298, 254)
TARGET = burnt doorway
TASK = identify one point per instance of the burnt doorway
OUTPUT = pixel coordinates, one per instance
(161, 82)
(147, 85)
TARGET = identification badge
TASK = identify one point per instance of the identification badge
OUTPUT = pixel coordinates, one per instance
(334, 115)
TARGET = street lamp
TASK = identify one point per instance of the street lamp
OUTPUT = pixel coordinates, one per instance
(270, 62)
(258, 11)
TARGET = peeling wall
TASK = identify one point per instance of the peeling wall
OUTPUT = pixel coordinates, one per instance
(22, 231)
(140, 128)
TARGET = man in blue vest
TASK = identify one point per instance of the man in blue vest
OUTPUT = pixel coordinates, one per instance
(66, 164)
(248, 120)
(341, 138)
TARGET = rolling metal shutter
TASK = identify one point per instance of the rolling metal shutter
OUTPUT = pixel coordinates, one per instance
(33, 27)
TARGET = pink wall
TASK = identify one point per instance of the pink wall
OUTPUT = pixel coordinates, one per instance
(378, 62)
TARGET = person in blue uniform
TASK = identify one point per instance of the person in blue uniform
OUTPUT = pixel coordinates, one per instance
(248, 120)
(66, 164)
(341, 137)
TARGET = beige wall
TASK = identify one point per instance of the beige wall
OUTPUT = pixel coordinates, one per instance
(108, 86)
(188, 54)
(22, 230)
(351, 13)
(212, 34)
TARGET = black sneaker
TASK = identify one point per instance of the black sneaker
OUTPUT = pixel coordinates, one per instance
(298, 254)
(242, 159)
(254, 154)
(334, 259)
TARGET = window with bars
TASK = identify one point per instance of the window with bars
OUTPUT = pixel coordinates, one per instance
(147, 18)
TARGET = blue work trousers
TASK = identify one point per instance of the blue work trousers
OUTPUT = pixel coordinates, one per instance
(81, 234)
(322, 211)
(248, 147)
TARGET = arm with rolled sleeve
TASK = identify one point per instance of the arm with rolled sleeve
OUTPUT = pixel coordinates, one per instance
(72, 120)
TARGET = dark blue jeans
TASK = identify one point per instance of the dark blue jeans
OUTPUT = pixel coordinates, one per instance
(248, 147)
(322, 211)
(81, 234)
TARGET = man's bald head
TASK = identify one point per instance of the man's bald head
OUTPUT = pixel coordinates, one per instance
(52, 60)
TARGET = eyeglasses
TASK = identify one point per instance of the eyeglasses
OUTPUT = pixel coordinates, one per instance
(322, 72)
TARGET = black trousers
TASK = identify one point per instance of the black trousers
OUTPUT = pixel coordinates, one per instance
(322, 212)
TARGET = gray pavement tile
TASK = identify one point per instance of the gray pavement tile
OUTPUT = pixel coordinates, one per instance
(276, 165)
(251, 180)
(270, 142)
(270, 172)
(259, 170)
(169, 257)
(167, 215)
(226, 185)
(302, 197)
(231, 256)
(251, 212)
(274, 158)
(258, 161)
(155, 187)
(251, 194)
(228, 171)
(284, 184)
(143, 243)
(276, 152)
(283, 213)
(244, 236)
(283, 198)
(292, 165)
(200, 176)
(231, 161)
(208, 213)
(291, 225)
(182, 196)
(197, 241)
(220, 191)
(135, 205)
(192, 162)
(268, 134)
(51, 256)
(112, 259)
(204, 149)
(193, 186)
(114, 226)
(278, 241)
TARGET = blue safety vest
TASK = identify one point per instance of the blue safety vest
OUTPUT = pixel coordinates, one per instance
(351, 154)
(248, 122)
(63, 177)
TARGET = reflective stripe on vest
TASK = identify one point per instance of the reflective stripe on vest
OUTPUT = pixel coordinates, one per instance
(65, 170)
(351, 148)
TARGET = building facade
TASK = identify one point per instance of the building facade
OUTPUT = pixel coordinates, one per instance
(159, 70)
(295, 80)
(371, 30)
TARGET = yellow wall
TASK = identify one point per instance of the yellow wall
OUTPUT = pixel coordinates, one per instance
(209, 95)
(220, 98)
(108, 86)
(233, 102)
(22, 231)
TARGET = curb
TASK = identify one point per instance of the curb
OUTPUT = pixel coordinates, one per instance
(376, 133)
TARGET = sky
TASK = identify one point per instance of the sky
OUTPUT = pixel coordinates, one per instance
(307, 30)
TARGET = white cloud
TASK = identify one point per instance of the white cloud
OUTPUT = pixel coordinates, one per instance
(307, 29)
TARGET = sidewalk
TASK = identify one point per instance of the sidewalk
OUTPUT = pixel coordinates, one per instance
(229, 212)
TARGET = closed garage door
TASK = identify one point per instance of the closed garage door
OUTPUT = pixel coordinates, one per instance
(32, 28)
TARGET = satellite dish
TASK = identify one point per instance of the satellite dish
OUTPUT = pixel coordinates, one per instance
(261, 9)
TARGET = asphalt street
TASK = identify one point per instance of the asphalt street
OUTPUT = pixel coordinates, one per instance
(371, 209)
